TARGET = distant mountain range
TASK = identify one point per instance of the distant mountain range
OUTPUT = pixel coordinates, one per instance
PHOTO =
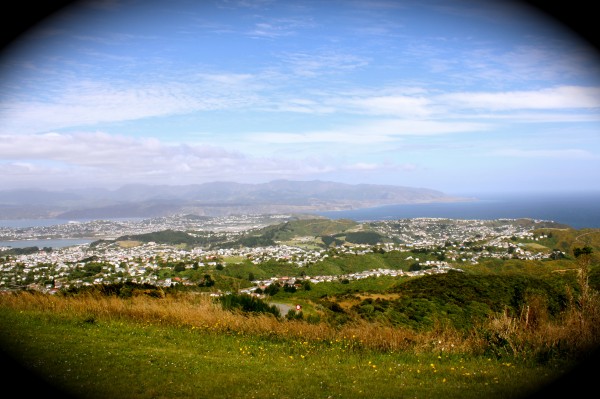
(209, 199)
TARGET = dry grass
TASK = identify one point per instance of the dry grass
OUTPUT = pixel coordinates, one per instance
(533, 333)
(202, 312)
(129, 243)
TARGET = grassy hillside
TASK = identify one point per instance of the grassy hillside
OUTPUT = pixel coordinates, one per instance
(171, 237)
(189, 346)
(568, 238)
(270, 235)
(296, 229)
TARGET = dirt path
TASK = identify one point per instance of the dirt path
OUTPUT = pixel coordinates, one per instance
(585, 234)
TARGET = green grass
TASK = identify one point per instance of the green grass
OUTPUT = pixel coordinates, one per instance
(336, 288)
(100, 358)
(232, 259)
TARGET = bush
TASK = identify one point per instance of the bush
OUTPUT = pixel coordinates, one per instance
(290, 288)
(121, 290)
(247, 303)
(293, 314)
(272, 289)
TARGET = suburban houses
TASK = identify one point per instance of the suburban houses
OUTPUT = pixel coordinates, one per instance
(454, 242)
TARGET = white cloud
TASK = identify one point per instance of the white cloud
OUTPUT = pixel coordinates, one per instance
(381, 167)
(104, 150)
(567, 153)
(566, 103)
(333, 136)
(363, 166)
(91, 102)
(392, 128)
(264, 29)
(398, 105)
(537, 116)
(234, 79)
(323, 62)
(302, 105)
(563, 97)
(93, 159)
(371, 132)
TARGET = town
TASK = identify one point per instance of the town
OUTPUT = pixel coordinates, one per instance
(428, 245)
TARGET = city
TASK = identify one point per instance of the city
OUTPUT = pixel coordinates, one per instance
(428, 245)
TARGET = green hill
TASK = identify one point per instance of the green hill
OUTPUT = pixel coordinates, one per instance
(311, 227)
(174, 237)
(292, 230)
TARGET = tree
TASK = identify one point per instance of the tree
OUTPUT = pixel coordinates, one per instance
(582, 251)
(179, 267)
(414, 267)
(289, 288)
(272, 289)
(207, 281)
(306, 285)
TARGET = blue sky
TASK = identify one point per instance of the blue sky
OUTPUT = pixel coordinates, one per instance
(458, 96)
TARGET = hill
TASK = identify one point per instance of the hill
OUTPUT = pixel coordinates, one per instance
(319, 231)
(210, 199)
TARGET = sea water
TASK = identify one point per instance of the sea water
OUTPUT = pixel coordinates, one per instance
(581, 210)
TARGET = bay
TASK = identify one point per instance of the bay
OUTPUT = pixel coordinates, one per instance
(24, 223)
(577, 210)
(51, 243)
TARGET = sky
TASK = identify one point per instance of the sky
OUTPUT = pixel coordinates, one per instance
(457, 96)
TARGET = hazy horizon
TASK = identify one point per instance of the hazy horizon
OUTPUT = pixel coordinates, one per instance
(463, 97)
(467, 193)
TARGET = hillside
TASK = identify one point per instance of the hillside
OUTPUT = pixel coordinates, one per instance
(321, 232)
(324, 232)
(306, 228)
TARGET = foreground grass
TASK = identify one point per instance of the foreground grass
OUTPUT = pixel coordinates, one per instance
(98, 357)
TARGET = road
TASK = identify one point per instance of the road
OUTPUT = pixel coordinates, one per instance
(284, 308)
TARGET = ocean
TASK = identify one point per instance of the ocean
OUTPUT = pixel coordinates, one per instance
(581, 210)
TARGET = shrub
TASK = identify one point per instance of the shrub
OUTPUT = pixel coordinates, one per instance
(247, 303)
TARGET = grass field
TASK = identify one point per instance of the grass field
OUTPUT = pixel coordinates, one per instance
(129, 243)
(137, 349)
